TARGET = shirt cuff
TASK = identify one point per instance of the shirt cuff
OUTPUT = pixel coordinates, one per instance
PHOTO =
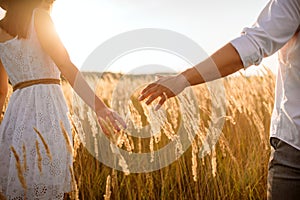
(250, 53)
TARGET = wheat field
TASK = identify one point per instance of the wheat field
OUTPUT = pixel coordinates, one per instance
(235, 169)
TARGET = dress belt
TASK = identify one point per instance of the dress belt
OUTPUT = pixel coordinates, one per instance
(35, 82)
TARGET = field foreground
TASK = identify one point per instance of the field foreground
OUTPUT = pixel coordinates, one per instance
(236, 168)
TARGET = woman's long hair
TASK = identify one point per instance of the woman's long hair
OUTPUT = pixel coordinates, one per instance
(18, 16)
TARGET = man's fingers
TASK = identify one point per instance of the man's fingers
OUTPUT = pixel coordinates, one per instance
(147, 92)
(161, 102)
(153, 97)
(148, 87)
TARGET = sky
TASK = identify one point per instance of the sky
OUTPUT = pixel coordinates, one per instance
(211, 24)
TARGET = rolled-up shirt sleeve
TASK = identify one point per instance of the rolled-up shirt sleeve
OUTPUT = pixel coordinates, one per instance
(275, 26)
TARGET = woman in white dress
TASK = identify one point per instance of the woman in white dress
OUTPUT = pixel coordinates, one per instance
(33, 58)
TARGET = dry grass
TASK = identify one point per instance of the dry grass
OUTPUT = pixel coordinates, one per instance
(44, 143)
(236, 168)
(39, 156)
(19, 168)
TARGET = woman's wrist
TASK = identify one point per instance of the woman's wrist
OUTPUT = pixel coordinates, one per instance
(99, 106)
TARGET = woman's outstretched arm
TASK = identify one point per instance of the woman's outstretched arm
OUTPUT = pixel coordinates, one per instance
(53, 46)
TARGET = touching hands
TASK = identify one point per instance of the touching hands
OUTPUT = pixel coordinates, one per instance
(107, 117)
(165, 87)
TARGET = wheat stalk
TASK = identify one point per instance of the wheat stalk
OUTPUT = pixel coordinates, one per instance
(67, 139)
(107, 188)
(39, 156)
(194, 160)
(44, 143)
(19, 169)
(24, 157)
(75, 192)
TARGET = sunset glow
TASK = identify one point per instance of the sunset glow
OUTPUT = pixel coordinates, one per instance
(84, 26)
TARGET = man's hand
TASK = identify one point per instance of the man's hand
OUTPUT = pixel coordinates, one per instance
(165, 87)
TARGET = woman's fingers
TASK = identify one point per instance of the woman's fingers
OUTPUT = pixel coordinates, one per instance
(116, 121)
(104, 127)
(120, 121)
(110, 122)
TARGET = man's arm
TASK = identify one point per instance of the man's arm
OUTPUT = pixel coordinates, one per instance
(275, 26)
(223, 62)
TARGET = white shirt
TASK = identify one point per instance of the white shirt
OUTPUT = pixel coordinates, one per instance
(277, 28)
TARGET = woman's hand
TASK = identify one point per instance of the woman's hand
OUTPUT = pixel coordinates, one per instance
(165, 87)
(107, 117)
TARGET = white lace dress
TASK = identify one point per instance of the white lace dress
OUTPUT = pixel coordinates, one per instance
(40, 106)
